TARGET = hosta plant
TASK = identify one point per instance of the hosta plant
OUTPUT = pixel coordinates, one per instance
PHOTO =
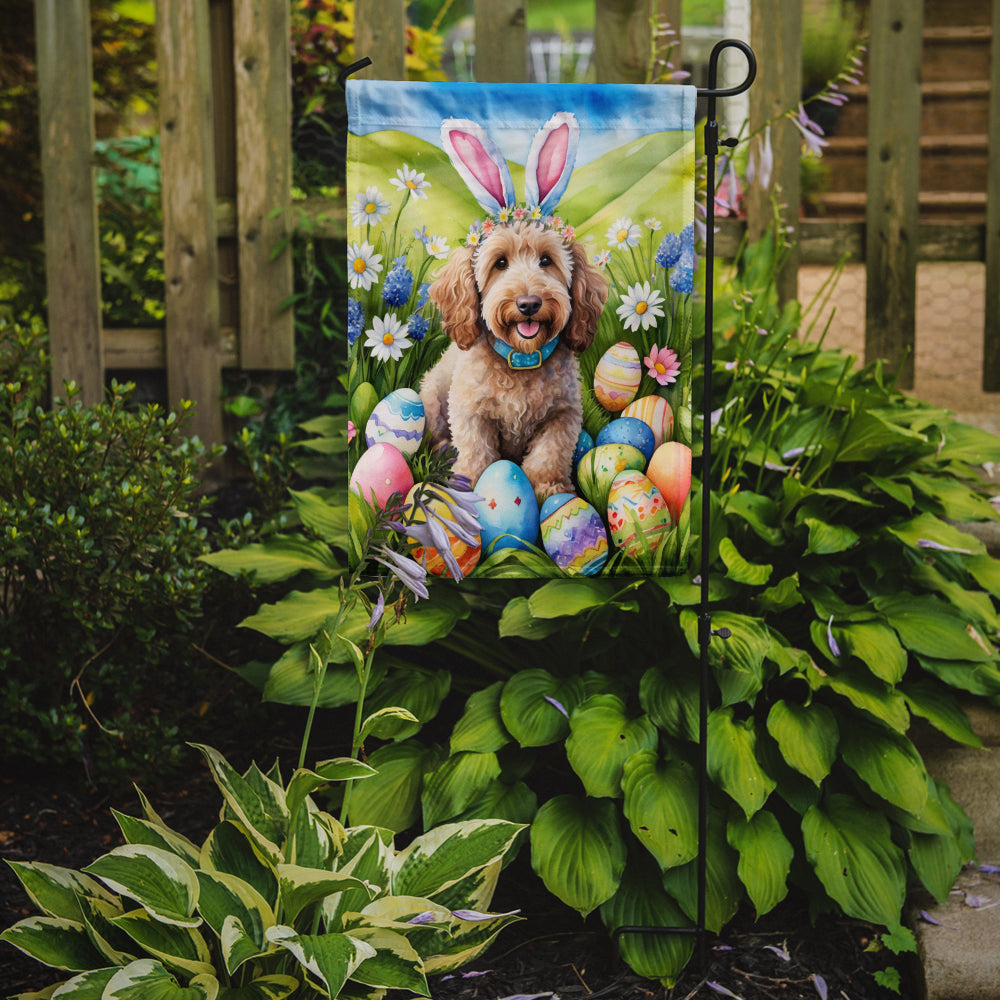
(279, 900)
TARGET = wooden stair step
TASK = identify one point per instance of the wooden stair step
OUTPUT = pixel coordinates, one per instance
(956, 53)
(952, 204)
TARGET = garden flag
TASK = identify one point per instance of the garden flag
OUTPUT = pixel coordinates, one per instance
(521, 261)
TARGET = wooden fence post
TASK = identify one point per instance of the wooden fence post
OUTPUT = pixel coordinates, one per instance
(262, 61)
(892, 214)
(72, 255)
(501, 36)
(622, 40)
(776, 34)
(190, 251)
(991, 331)
(380, 34)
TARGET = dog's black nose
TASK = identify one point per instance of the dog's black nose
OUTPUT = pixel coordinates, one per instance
(528, 305)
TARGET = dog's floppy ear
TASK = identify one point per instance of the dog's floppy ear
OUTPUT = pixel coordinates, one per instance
(455, 294)
(588, 293)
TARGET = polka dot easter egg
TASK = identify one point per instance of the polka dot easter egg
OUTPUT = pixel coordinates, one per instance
(466, 556)
(382, 471)
(637, 514)
(599, 467)
(655, 412)
(397, 420)
(573, 534)
(508, 511)
(617, 376)
(629, 430)
(583, 444)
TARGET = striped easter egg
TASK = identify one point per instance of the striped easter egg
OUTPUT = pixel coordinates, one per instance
(637, 513)
(397, 420)
(656, 414)
(617, 376)
(573, 534)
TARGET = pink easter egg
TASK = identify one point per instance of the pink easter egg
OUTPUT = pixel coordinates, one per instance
(381, 470)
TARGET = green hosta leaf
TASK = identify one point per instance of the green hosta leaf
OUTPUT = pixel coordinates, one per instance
(330, 959)
(456, 784)
(304, 782)
(516, 803)
(578, 851)
(301, 887)
(738, 661)
(230, 849)
(386, 723)
(827, 539)
(888, 763)
(931, 628)
(986, 572)
(941, 709)
(758, 511)
(870, 436)
(671, 700)
(56, 891)
(292, 681)
(180, 948)
(516, 620)
(765, 858)
(528, 711)
(937, 859)
(738, 569)
(147, 979)
(602, 738)
(466, 941)
(893, 488)
(327, 520)
(54, 941)
(391, 798)
(98, 916)
(224, 898)
(275, 987)
(976, 605)
(142, 831)
(661, 800)
(864, 691)
(807, 736)
(641, 901)
(976, 678)
(160, 882)
(238, 944)
(481, 728)
(783, 595)
(279, 558)
(86, 986)
(441, 857)
(876, 646)
(417, 690)
(366, 855)
(566, 597)
(395, 964)
(927, 528)
(965, 443)
(957, 501)
(850, 848)
(732, 760)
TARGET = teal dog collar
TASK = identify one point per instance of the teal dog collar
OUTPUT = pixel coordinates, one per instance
(519, 361)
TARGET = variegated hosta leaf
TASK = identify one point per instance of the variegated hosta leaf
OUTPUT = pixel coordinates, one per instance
(225, 897)
(275, 987)
(456, 784)
(301, 887)
(535, 706)
(86, 986)
(661, 805)
(56, 891)
(367, 853)
(158, 880)
(850, 847)
(116, 946)
(441, 857)
(315, 838)
(230, 849)
(177, 947)
(481, 727)
(807, 736)
(147, 979)
(141, 831)
(602, 737)
(467, 941)
(578, 851)
(395, 964)
(765, 858)
(329, 959)
(304, 782)
(54, 941)
(732, 760)
(476, 890)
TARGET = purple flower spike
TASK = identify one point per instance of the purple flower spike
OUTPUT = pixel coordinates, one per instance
(834, 648)
(427, 917)
(558, 705)
(377, 612)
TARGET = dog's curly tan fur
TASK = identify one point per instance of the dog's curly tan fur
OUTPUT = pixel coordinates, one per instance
(523, 285)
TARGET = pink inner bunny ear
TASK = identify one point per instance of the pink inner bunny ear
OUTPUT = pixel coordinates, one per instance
(479, 163)
(552, 160)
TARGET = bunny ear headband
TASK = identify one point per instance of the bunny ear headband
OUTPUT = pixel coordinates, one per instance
(482, 166)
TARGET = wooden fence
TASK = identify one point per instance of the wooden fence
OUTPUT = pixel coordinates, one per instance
(226, 161)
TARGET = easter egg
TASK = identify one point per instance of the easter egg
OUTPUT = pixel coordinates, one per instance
(600, 465)
(583, 444)
(637, 513)
(397, 420)
(629, 430)
(573, 534)
(670, 471)
(508, 510)
(465, 555)
(655, 413)
(381, 470)
(617, 375)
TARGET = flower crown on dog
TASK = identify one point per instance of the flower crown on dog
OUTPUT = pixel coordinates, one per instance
(482, 166)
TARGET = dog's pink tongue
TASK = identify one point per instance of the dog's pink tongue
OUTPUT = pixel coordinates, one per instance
(527, 328)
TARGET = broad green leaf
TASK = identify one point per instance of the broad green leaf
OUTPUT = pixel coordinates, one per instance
(274, 987)
(758, 511)
(225, 897)
(828, 539)
(481, 728)
(932, 628)
(292, 681)
(304, 782)
(456, 784)
(466, 941)
(56, 891)
(366, 856)
(965, 443)
(86, 986)
(516, 620)
(231, 850)
(281, 557)
(807, 736)
(738, 661)
(567, 597)
(928, 528)
(54, 941)
(364, 399)
(850, 848)
(578, 851)
(893, 488)
(765, 858)
(391, 798)
(732, 760)
(661, 806)
(671, 700)
(98, 916)
(385, 723)
(869, 436)
(866, 692)
(986, 571)
(738, 569)
(301, 887)
(602, 737)
(937, 860)
(164, 885)
(976, 605)
(418, 690)
(516, 803)
(438, 859)
(783, 595)
(147, 979)
(325, 519)
(238, 944)
(957, 501)
(876, 646)
(976, 678)
(330, 959)
(395, 964)
(888, 763)
(180, 948)
(530, 706)
(941, 709)
(142, 831)
(640, 901)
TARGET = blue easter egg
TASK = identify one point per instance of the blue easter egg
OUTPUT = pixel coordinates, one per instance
(397, 420)
(583, 444)
(508, 510)
(573, 534)
(629, 430)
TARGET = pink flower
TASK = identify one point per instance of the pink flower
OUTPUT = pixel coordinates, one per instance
(351, 430)
(663, 364)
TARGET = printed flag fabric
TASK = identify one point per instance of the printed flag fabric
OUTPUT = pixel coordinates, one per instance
(521, 263)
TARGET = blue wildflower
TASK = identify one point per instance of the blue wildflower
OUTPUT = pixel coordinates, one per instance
(669, 251)
(682, 280)
(425, 287)
(687, 238)
(355, 320)
(418, 327)
(398, 285)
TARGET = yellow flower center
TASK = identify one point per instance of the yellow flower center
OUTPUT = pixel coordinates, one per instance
(660, 368)
(412, 185)
(641, 307)
(360, 265)
(387, 339)
(371, 207)
(622, 235)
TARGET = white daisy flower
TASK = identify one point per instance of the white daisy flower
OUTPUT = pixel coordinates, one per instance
(654, 224)
(388, 338)
(602, 259)
(437, 247)
(369, 207)
(363, 265)
(624, 233)
(408, 179)
(641, 306)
